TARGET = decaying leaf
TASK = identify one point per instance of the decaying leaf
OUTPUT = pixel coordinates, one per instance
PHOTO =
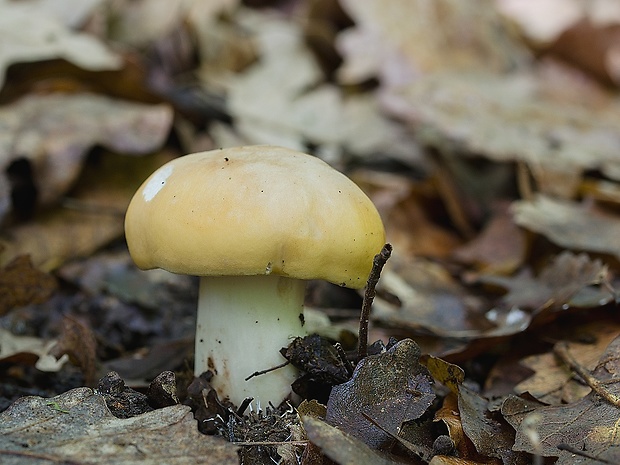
(490, 433)
(448, 374)
(77, 427)
(78, 341)
(552, 382)
(22, 284)
(342, 448)
(390, 389)
(589, 425)
(430, 300)
(566, 275)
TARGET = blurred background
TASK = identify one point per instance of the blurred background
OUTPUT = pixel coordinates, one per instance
(487, 133)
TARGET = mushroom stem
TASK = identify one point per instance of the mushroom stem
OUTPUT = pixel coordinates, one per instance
(243, 322)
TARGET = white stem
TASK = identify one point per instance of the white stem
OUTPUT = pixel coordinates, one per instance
(243, 322)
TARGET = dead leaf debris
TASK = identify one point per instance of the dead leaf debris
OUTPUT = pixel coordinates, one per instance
(486, 134)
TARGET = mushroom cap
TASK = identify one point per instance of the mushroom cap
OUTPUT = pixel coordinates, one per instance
(254, 210)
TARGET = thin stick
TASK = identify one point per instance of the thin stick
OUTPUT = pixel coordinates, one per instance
(561, 350)
(268, 370)
(369, 295)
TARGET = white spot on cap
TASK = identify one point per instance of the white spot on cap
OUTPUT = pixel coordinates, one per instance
(157, 182)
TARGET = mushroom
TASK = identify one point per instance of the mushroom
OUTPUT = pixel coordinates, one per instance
(254, 223)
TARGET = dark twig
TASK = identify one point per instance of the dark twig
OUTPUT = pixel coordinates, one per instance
(369, 295)
(561, 350)
(268, 370)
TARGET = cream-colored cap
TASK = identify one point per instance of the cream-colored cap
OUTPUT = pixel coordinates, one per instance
(252, 211)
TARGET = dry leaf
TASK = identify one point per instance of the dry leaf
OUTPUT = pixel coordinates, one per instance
(77, 427)
(389, 389)
(91, 219)
(561, 279)
(542, 21)
(54, 133)
(407, 209)
(47, 37)
(552, 382)
(79, 342)
(450, 416)
(516, 117)
(342, 448)
(303, 108)
(22, 284)
(490, 433)
(570, 224)
(500, 247)
(400, 41)
(29, 350)
(430, 300)
(71, 13)
(589, 424)
(449, 375)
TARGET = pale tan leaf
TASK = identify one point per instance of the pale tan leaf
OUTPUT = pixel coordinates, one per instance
(91, 218)
(28, 34)
(517, 117)
(399, 40)
(29, 349)
(77, 427)
(571, 225)
(55, 132)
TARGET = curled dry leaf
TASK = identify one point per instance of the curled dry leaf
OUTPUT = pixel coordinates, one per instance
(490, 433)
(446, 373)
(389, 389)
(79, 342)
(449, 415)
